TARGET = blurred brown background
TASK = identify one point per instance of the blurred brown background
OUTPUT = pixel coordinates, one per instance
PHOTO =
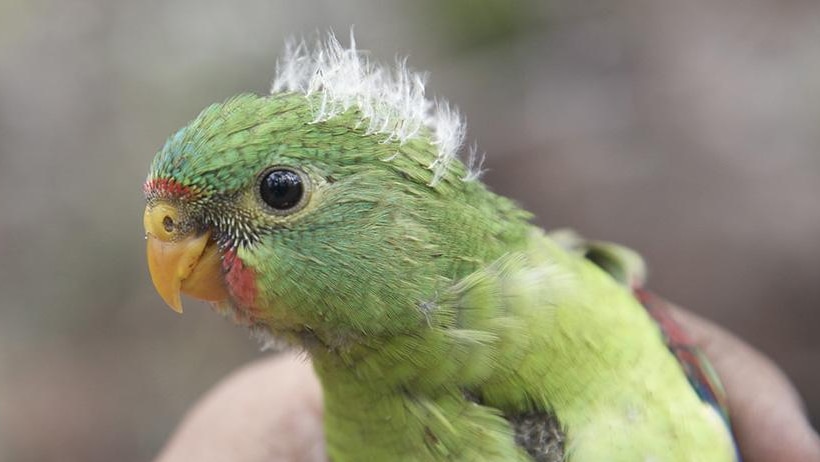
(688, 130)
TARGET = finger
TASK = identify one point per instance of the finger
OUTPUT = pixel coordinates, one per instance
(268, 410)
(767, 413)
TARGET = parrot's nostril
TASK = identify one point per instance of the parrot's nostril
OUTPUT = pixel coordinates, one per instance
(168, 223)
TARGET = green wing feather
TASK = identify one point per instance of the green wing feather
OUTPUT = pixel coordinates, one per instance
(541, 329)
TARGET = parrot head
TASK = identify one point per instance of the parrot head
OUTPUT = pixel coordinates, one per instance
(323, 209)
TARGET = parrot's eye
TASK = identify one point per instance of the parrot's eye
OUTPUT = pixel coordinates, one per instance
(168, 224)
(283, 189)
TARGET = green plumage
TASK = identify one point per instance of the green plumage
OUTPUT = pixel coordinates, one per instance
(432, 309)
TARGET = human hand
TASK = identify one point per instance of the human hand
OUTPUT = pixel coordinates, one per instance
(272, 409)
(767, 414)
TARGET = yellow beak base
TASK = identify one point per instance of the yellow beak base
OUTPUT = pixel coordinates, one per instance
(187, 263)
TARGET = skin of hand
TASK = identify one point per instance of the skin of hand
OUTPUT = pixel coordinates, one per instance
(237, 422)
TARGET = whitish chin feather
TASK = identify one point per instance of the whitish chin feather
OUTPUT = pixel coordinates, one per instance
(268, 341)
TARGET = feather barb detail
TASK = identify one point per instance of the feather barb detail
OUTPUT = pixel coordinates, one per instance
(392, 101)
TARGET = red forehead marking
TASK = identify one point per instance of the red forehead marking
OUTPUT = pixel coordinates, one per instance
(241, 281)
(166, 187)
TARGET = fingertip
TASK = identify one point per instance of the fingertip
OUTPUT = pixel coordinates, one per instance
(767, 414)
(270, 409)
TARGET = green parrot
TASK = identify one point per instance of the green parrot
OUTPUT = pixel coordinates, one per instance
(335, 216)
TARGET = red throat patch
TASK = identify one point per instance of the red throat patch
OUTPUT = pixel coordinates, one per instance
(241, 281)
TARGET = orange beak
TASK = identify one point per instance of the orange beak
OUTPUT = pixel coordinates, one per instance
(181, 262)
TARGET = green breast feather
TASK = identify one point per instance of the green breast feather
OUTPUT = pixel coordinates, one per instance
(442, 324)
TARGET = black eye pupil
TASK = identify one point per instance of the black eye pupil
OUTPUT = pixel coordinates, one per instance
(168, 224)
(282, 189)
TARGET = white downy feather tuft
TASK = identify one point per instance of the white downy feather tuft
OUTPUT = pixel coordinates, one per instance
(391, 101)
